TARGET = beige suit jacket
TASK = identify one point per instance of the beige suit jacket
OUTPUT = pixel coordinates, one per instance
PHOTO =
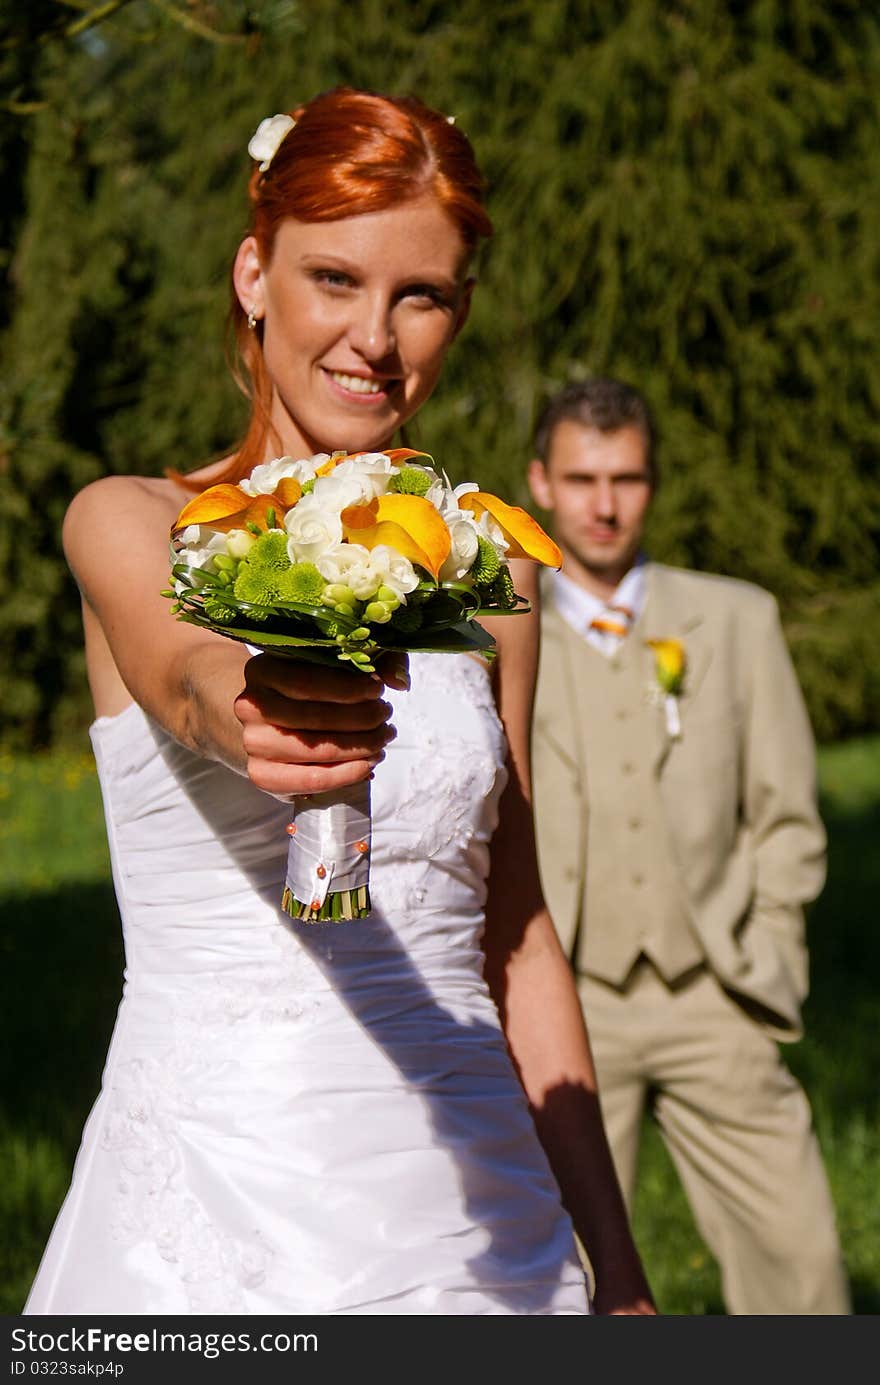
(738, 788)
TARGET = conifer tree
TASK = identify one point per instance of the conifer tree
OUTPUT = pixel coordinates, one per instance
(683, 196)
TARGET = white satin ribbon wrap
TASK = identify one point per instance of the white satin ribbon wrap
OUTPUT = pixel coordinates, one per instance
(326, 851)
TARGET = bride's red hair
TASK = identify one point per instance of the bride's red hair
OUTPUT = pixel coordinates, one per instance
(350, 152)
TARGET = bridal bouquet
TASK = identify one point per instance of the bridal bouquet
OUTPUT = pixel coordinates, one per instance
(344, 557)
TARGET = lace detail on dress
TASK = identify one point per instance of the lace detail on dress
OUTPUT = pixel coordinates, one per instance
(152, 1202)
(452, 772)
(150, 1099)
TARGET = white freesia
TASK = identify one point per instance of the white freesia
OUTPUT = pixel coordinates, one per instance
(239, 543)
(436, 493)
(312, 528)
(267, 138)
(394, 570)
(486, 526)
(196, 547)
(365, 571)
(264, 478)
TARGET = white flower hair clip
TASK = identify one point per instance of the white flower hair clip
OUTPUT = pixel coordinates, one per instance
(268, 138)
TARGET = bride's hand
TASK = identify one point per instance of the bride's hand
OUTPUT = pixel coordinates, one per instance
(622, 1291)
(308, 729)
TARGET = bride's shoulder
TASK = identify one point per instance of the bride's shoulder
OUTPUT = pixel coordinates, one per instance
(113, 500)
(118, 500)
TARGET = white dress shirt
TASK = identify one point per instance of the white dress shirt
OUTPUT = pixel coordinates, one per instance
(579, 608)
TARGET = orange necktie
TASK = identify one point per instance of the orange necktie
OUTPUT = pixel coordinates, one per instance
(617, 621)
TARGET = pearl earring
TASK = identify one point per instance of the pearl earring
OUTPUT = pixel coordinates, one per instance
(251, 319)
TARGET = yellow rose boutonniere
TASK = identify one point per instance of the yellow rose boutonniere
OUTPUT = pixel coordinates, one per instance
(670, 664)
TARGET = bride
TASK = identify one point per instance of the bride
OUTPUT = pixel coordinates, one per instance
(392, 1116)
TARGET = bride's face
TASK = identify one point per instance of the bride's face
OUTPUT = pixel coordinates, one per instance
(358, 315)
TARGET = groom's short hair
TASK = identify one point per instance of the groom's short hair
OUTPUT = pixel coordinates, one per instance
(601, 403)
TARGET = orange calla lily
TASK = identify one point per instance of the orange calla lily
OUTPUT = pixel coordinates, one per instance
(229, 507)
(407, 523)
(331, 463)
(525, 536)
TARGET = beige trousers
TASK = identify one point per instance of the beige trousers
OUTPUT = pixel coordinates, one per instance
(737, 1126)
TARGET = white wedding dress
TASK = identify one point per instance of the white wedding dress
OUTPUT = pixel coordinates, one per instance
(300, 1118)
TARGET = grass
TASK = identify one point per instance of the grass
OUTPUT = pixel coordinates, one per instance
(62, 964)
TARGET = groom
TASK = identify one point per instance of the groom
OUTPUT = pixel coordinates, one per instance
(679, 840)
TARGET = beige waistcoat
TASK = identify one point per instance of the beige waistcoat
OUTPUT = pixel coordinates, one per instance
(729, 843)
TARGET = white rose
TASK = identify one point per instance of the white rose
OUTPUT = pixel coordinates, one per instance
(335, 563)
(264, 478)
(463, 537)
(351, 564)
(266, 139)
(365, 571)
(312, 528)
(337, 493)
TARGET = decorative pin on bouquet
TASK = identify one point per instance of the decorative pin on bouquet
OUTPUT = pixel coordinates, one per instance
(344, 558)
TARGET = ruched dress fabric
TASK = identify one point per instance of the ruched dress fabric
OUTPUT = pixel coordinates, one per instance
(299, 1118)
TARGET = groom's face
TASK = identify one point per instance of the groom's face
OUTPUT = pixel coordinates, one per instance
(598, 487)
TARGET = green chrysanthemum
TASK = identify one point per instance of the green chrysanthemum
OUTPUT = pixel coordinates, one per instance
(303, 583)
(269, 553)
(410, 480)
(308, 486)
(256, 586)
(502, 590)
(487, 564)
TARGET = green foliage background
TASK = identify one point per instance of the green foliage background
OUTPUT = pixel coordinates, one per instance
(684, 195)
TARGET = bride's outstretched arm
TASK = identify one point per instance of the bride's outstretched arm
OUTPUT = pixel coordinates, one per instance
(293, 728)
(533, 987)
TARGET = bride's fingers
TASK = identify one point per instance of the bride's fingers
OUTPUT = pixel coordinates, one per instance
(295, 781)
(310, 682)
(262, 742)
(332, 718)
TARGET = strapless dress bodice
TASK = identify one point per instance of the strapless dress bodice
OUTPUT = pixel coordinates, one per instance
(302, 1118)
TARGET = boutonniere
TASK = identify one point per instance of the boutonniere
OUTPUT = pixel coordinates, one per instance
(670, 663)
